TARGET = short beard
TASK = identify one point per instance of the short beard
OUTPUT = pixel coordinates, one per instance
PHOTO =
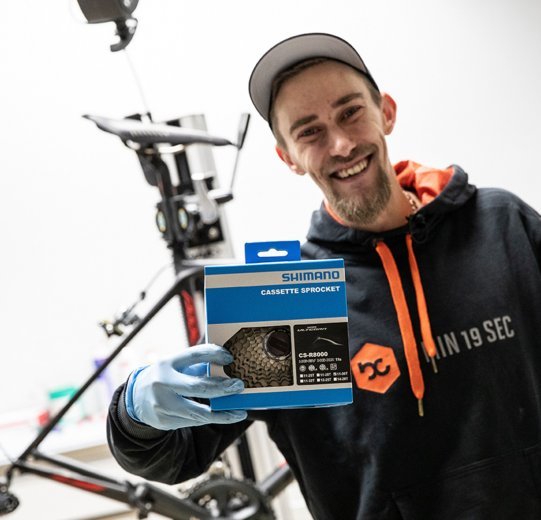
(367, 210)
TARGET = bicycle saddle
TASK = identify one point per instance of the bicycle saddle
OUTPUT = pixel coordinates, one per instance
(154, 133)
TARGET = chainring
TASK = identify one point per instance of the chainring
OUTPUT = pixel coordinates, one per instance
(232, 499)
(8, 501)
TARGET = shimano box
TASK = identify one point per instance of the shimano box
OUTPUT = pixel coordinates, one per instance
(285, 322)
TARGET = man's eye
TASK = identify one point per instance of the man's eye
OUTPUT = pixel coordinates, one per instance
(308, 132)
(350, 112)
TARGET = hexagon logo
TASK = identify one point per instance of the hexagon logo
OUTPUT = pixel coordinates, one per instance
(375, 368)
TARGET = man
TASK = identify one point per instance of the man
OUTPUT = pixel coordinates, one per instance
(444, 296)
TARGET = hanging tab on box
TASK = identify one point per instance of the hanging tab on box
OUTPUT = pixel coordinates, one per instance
(285, 251)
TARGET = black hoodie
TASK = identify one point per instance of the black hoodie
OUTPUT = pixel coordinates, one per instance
(461, 283)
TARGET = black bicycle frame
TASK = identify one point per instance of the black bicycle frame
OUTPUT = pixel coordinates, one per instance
(144, 496)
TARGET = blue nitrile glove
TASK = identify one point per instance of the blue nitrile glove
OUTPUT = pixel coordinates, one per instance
(159, 394)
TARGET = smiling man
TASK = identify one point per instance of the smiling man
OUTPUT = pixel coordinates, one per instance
(330, 121)
(330, 127)
(444, 306)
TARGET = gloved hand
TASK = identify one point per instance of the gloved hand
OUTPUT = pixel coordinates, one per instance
(159, 394)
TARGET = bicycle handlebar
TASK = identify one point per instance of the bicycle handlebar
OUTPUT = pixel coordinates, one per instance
(155, 133)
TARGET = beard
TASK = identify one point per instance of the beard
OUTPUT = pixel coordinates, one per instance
(365, 210)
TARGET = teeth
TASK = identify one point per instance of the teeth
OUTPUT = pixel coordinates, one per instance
(358, 168)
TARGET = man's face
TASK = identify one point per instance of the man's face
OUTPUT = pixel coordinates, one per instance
(333, 130)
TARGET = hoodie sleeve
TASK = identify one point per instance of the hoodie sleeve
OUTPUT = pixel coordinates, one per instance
(165, 456)
(532, 224)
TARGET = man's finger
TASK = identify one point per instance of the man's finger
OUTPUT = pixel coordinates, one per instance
(206, 353)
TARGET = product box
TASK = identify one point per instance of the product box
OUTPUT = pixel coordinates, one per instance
(285, 322)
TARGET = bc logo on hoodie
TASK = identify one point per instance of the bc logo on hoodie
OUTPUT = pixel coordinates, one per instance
(375, 368)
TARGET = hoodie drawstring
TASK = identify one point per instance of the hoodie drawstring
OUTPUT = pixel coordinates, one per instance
(426, 330)
(404, 318)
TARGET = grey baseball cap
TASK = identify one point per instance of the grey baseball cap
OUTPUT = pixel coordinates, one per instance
(294, 50)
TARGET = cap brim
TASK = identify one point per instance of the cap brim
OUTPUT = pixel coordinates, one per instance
(294, 50)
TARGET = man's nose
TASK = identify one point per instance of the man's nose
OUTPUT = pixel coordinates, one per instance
(341, 144)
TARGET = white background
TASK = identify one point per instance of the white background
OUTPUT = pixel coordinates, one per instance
(77, 234)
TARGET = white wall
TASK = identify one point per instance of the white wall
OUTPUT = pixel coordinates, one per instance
(77, 232)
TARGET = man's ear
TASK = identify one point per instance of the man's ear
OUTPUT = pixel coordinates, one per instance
(287, 159)
(388, 110)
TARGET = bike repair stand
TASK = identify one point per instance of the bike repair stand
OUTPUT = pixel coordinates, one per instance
(188, 217)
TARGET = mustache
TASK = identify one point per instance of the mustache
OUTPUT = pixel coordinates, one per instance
(335, 163)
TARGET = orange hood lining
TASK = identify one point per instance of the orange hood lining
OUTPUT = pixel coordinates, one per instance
(426, 182)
